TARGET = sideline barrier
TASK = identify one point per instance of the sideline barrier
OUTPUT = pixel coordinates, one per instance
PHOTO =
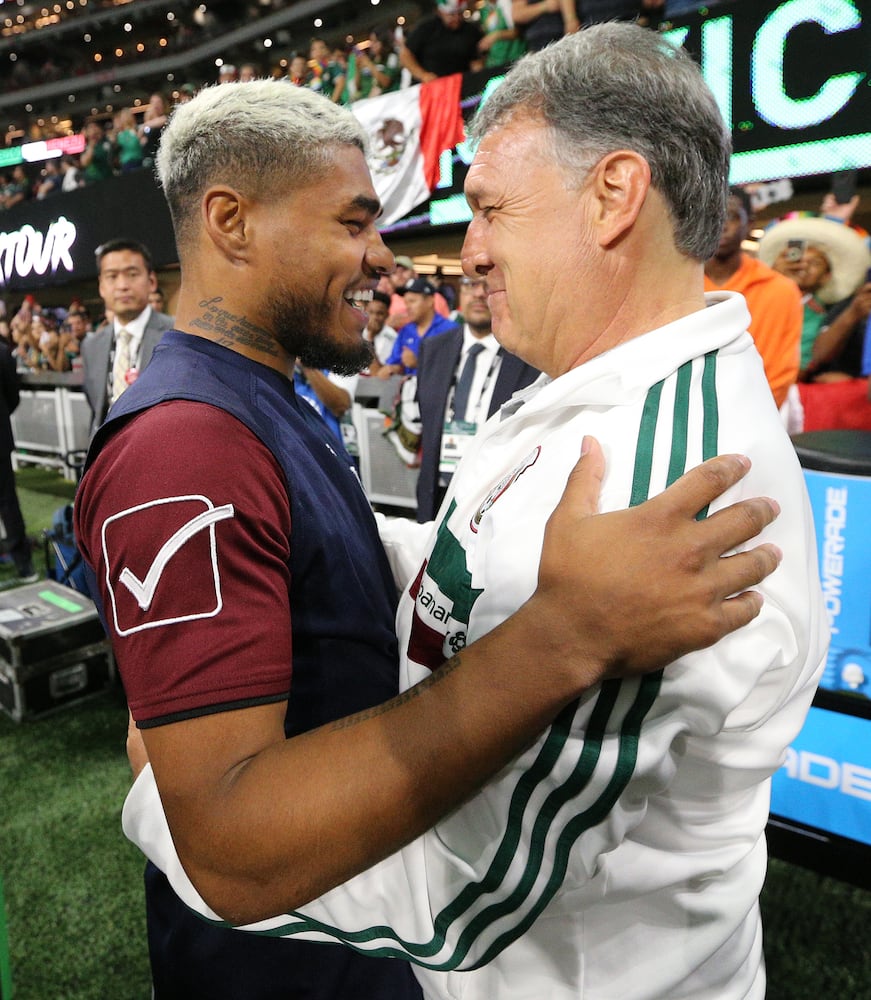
(51, 428)
(52, 421)
(385, 477)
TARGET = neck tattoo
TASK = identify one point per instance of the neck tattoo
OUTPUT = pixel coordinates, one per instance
(230, 330)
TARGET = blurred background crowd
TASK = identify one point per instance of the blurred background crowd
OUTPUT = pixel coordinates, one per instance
(102, 75)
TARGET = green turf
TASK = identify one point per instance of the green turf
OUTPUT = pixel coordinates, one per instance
(817, 934)
(73, 884)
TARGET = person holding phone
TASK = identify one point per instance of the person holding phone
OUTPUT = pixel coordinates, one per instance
(828, 261)
(833, 277)
(376, 65)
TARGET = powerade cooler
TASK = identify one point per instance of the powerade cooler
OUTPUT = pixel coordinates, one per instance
(837, 469)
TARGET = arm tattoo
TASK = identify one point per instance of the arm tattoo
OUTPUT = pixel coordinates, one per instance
(229, 330)
(413, 692)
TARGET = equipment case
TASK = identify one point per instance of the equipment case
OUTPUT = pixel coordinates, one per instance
(53, 650)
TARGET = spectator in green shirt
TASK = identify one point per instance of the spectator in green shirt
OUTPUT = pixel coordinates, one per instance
(96, 158)
(501, 43)
(128, 145)
(327, 77)
(376, 66)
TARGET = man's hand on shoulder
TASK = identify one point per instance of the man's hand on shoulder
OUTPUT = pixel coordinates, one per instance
(630, 591)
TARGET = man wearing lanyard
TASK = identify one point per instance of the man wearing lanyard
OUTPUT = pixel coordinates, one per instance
(115, 356)
(463, 378)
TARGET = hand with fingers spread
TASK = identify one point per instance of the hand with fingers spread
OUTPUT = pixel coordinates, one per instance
(698, 596)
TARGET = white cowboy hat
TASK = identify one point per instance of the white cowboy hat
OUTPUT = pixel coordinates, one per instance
(846, 251)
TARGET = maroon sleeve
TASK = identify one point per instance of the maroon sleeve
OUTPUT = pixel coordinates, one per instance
(185, 518)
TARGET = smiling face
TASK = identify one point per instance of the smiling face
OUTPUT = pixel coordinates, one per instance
(527, 233)
(318, 50)
(325, 256)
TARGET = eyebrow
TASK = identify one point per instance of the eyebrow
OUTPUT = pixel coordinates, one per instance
(367, 204)
(473, 194)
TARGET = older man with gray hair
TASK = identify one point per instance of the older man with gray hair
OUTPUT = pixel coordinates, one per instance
(247, 549)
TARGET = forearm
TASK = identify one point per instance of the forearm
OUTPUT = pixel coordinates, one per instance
(336, 400)
(57, 360)
(409, 62)
(832, 338)
(298, 817)
(263, 824)
(570, 16)
(381, 78)
(525, 13)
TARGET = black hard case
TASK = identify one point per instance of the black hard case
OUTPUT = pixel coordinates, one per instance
(53, 650)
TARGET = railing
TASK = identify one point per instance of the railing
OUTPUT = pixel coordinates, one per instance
(386, 479)
(51, 428)
(52, 423)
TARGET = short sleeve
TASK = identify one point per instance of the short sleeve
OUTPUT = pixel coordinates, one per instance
(184, 517)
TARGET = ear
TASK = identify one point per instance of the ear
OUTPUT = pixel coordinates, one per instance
(225, 215)
(620, 185)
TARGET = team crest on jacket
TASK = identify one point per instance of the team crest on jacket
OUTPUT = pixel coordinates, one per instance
(161, 561)
(443, 599)
(507, 480)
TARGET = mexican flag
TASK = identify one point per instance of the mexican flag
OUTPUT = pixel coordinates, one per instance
(408, 130)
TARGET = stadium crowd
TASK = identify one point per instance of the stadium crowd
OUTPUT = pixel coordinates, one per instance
(452, 36)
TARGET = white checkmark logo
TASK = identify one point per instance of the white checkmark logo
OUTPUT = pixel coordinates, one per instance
(143, 590)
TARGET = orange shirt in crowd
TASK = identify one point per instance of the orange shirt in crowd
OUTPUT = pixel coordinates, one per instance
(775, 319)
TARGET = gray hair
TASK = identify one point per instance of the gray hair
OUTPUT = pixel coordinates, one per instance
(259, 137)
(618, 86)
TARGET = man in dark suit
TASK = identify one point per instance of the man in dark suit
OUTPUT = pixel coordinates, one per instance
(17, 543)
(115, 355)
(451, 406)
